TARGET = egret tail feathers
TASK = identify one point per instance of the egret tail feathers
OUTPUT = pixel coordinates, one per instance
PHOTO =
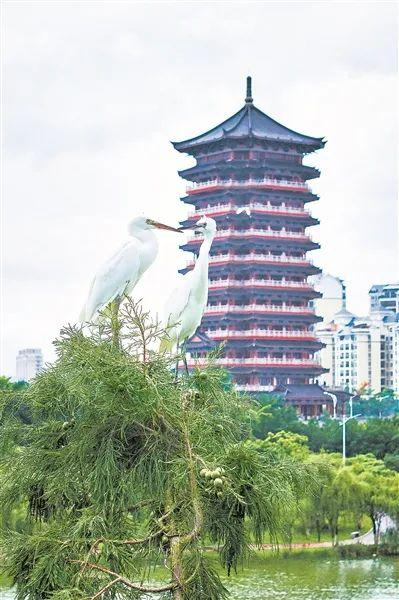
(82, 315)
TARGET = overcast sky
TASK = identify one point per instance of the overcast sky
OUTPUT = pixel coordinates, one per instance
(93, 92)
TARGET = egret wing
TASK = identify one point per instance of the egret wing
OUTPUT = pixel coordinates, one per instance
(111, 280)
(178, 299)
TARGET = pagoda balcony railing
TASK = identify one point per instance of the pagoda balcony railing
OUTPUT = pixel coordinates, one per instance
(224, 308)
(264, 361)
(229, 258)
(267, 182)
(216, 283)
(210, 210)
(264, 333)
(249, 155)
(266, 233)
(253, 387)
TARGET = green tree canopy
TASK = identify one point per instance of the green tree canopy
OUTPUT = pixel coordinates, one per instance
(123, 468)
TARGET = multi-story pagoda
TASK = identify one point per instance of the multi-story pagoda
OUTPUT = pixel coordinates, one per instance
(250, 178)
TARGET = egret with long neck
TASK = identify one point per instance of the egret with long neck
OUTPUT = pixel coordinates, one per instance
(121, 273)
(186, 305)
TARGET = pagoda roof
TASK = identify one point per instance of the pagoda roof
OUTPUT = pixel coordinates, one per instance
(200, 341)
(249, 121)
(299, 392)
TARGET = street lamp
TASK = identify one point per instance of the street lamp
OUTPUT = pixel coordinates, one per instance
(351, 405)
(344, 419)
(335, 401)
(380, 399)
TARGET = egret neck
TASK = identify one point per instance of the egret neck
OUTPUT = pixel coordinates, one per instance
(201, 269)
(149, 246)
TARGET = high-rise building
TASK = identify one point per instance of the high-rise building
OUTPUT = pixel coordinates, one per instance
(29, 363)
(384, 297)
(391, 356)
(360, 350)
(249, 176)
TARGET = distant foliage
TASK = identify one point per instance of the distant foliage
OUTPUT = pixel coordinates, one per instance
(380, 436)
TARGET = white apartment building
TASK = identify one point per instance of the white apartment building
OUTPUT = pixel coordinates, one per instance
(392, 356)
(29, 363)
(358, 350)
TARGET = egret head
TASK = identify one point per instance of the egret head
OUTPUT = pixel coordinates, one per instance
(206, 226)
(140, 224)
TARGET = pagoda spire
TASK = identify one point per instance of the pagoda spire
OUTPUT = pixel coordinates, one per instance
(249, 99)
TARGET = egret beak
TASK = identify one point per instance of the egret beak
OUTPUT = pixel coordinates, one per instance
(163, 226)
(193, 227)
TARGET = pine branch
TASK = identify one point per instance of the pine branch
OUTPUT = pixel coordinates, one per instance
(105, 588)
(134, 586)
(198, 515)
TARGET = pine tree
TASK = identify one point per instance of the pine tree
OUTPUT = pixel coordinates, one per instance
(121, 468)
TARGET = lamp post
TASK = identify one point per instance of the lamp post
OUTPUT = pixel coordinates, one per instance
(351, 405)
(380, 399)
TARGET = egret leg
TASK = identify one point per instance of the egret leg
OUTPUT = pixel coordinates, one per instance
(185, 358)
(177, 361)
(115, 325)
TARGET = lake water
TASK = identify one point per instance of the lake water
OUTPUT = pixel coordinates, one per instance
(317, 579)
(311, 579)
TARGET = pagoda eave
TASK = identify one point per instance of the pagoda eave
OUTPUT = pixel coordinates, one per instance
(270, 344)
(213, 197)
(271, 368)
(290, 218)
(264, 290)
(193, 245)
(269, 316)
(282, 167)
(195, 149)
(293, 269)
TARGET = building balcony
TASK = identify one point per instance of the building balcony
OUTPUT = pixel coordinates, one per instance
(253, 257)
(264, 283)
(284, 334)
(260, 233)
(221, 209)
(266, 183)
(258, 308)
(255, 361)
(253, 387)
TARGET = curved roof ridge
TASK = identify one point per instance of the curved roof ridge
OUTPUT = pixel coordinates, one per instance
(219, 126)
(251, 121)
(309, 137)
(245, 113)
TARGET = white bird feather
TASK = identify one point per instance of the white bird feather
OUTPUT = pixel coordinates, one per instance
(121, 273)
(186, 305)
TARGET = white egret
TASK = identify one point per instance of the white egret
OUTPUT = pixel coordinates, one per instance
(120, 274)
(186, 305)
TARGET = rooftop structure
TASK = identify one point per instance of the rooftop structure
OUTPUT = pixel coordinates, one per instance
(333, 296)
(384, 297)
(29, 363)
(249, 176)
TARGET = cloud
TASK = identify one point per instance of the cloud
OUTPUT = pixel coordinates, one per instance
(94, 91)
